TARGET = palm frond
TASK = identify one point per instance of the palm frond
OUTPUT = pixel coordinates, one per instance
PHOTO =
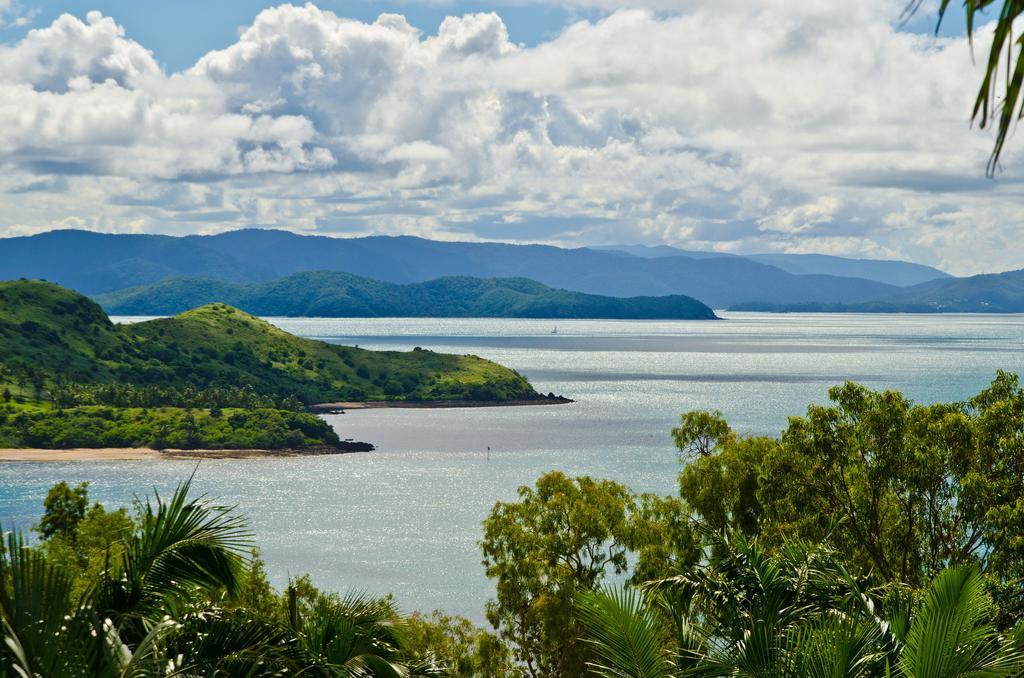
(951, 634)
(354, 635)
(999, 100)
(215, 643)
(183, 546)
(835, 646)
(625, 633)
(43, 630)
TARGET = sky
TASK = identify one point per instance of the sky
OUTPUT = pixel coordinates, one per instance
(729, 125)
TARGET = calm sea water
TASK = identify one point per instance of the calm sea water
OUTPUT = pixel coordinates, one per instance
(406, 518)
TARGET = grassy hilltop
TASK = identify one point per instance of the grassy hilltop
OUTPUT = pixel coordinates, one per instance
(211, 378)
(51, 333)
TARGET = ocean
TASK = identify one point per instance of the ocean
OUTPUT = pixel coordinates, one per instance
(406, 518)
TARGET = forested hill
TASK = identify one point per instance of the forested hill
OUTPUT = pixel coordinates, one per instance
(989, 293)
(51, 334)
(96, 263)
(338, 295)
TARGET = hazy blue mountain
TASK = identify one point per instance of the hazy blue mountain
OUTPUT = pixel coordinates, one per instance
(988, 293)
(659, 251)
(96, 263)
(343, 295)
(100, 262)
(899, 273)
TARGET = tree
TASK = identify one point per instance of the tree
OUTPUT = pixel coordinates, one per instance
(191, 430)
(180, 551)
(355, 635)
(562, 536)
(902, 490)
(999, 95)
(700, 432)
(460, 649)
(64, 508)
(97, 540)
(177, 598)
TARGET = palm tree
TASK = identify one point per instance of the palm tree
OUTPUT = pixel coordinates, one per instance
(999, 96)
(355, 635)
(797, 613)
(161, 609)
(184, 550)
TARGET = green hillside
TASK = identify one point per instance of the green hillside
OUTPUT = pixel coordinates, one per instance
(331, 294)
(51, 334)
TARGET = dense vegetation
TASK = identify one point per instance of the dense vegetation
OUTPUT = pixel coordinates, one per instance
(342, 295)
(55, 340)
(874, 538)
(175, 589)
(45, 426)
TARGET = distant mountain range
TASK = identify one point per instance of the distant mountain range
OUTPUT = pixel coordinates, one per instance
(343, 295)
(95, 263)
(899, 273)
(989, 293)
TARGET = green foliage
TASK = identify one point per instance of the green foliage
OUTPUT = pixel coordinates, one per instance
(97, 541)
(794, 614)
(63, 509)
(700, 432)
(177, 596)
(563, 536)
(63, 347)
(903, 490)
(351, 635)
(626, 634)
(460, 649)
(43, 426)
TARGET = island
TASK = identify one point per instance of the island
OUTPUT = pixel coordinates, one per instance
(212, 378)
(332, 294)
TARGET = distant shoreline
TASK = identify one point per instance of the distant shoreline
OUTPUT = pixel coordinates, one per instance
(334, 408)
(146, 454)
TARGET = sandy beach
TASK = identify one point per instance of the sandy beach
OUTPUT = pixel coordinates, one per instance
(146, 454)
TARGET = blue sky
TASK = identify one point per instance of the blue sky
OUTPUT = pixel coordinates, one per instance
(730, 125)
(180, 32)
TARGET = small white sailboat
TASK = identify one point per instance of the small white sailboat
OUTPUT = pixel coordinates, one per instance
(555, 331)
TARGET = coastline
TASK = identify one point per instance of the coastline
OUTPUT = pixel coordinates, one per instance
(335, 408)
(36, 454)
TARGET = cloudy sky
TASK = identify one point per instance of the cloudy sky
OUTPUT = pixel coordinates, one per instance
(734, 125)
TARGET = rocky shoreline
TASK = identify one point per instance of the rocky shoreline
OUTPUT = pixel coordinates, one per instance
(338, 408)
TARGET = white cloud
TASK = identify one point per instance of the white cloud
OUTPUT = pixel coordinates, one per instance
(737, 125)
(13, 14)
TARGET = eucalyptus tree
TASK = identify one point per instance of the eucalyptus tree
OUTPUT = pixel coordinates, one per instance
(902, 490)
